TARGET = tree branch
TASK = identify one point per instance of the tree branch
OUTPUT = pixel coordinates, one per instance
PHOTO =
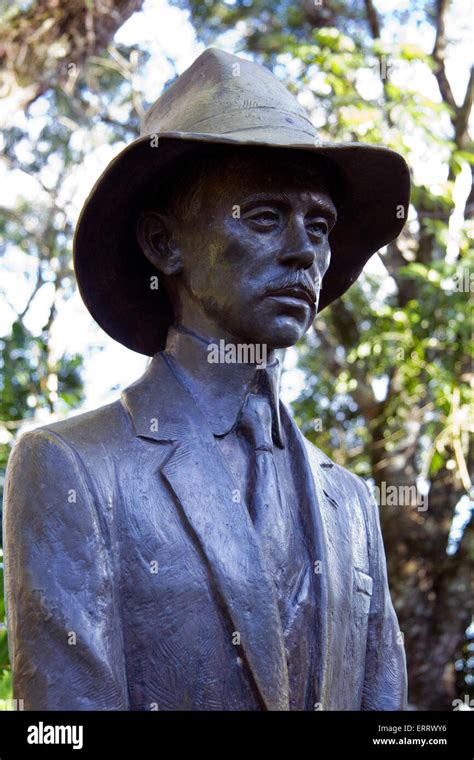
(463, 114)
(439, 54)
(373, 19)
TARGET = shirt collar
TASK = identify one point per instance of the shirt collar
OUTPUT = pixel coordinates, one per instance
(220, 389)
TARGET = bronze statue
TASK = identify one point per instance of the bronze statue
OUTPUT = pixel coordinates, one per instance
(185, 548)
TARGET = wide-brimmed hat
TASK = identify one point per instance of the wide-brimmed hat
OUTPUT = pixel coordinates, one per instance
(221, 100)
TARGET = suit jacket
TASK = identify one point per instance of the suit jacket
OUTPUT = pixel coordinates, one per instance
(134, 582)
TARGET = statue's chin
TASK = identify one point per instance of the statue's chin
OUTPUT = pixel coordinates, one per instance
(283, 333)
(265, 327)
(288, 330)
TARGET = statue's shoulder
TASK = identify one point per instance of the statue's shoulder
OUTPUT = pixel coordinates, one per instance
(335, 474)
(83, 432)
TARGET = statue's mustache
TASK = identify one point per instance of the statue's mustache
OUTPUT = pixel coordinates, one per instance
(295, 281)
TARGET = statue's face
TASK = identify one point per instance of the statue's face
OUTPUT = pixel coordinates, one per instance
(254, 251)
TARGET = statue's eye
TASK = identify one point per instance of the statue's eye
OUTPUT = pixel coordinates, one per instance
(263, 219)
(317, 227)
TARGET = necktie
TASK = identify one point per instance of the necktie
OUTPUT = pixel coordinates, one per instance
(263, 495)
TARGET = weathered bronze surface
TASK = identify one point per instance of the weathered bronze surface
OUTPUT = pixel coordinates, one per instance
(185, 547)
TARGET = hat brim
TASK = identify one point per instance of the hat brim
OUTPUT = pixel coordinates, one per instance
(114, 276)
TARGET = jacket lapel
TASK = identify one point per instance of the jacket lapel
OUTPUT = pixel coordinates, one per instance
(331, 531)
(162, 410)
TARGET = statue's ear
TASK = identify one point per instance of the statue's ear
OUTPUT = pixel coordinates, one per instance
(154, 238)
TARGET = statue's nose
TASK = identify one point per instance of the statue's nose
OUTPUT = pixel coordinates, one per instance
(297, 250)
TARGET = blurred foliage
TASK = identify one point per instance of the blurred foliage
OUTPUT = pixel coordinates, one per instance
(44, 42)
(387, 370)
(30, 381)
(419, 353)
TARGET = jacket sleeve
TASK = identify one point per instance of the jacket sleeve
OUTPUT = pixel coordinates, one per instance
(63, 632)
(385, 682)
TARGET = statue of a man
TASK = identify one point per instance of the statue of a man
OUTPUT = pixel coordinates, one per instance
(184, 547)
